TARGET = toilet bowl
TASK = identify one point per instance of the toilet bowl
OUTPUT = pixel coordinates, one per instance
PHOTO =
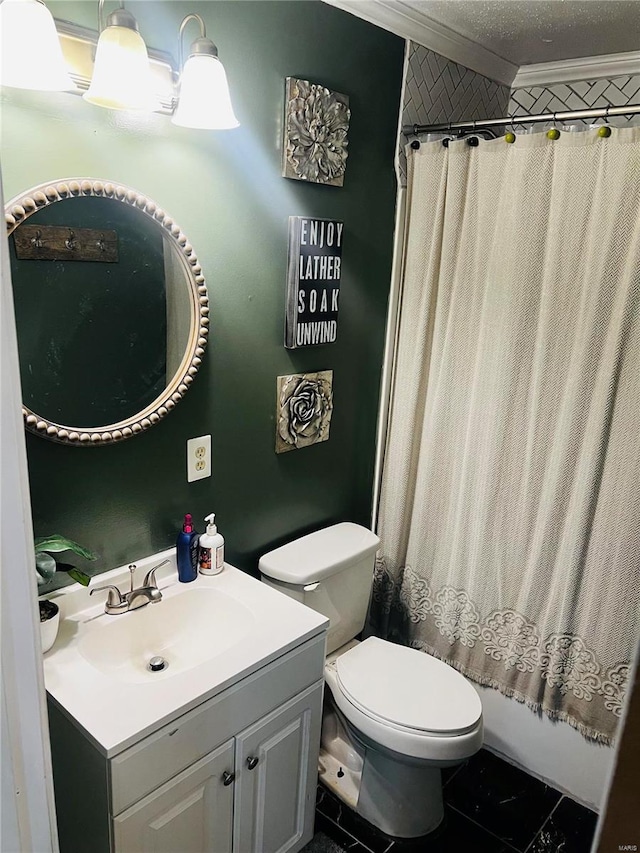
(406, 715)
(407, 701)
(393, 715)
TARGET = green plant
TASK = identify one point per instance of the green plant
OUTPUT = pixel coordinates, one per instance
(47, 565)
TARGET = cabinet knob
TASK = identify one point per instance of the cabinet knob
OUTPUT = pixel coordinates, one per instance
(252, 762)
(227, 778)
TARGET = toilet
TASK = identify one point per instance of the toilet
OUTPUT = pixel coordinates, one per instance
(393, 715)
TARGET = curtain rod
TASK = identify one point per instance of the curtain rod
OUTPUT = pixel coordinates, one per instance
(603, 112)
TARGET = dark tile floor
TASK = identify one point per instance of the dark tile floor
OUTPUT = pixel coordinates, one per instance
(490, 807)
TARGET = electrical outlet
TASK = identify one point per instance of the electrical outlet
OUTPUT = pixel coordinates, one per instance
(198, 458)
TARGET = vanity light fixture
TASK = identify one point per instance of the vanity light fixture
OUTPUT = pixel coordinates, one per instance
(204, 100)
(31, 55)
(121, 78)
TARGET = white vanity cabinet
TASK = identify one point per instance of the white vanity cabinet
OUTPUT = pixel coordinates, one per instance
(276, 768)
(190, 813)
(235, 774)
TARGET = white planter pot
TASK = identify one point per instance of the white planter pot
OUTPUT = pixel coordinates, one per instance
(49, 626)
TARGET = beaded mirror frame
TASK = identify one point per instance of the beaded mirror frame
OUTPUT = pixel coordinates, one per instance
(18, 211)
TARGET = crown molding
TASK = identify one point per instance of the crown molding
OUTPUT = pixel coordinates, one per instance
(398, 18)
(583, 68)
(401, 19)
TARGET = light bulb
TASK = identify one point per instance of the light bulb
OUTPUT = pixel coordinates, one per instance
(121, 77)
(30, 51)
(204, 101)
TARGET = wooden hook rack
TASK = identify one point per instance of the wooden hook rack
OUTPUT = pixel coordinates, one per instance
(61, 242)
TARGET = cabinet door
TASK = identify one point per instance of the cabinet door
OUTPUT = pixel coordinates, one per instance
(191, 813)
(276, 777)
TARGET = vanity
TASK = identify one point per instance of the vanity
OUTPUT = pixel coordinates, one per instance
(215, 753)
(190, 724)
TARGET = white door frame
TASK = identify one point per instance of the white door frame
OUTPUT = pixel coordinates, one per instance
(28, 810)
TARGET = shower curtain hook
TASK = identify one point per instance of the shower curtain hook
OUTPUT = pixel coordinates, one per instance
(553, 133)
(510, 135)
(473, 140)
(605, 131)
(447, 139)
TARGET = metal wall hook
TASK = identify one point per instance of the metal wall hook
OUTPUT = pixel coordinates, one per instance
(70, 242)
(37, 239)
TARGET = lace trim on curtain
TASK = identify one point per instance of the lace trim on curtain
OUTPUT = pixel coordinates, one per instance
(562, 660)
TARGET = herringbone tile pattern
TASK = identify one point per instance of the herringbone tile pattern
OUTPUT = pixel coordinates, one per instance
(439, 90)
(584, 94)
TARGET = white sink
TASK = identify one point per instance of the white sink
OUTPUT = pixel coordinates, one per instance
(212, 633)
(185, 631)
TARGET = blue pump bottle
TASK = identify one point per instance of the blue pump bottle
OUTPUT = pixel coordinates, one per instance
(187, 551)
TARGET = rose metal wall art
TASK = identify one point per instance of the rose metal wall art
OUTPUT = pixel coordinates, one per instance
(305, 403)
(315, 133)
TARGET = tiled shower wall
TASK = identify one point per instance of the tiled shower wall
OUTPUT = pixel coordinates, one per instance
(439, 90)
(581, 95)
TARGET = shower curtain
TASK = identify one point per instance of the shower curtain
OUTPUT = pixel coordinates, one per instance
(510, 502)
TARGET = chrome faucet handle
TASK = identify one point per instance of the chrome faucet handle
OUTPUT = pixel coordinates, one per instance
(114, 598)
(132, 570)
(150, 577)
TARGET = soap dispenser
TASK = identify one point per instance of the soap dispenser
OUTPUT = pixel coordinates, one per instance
(211, 554)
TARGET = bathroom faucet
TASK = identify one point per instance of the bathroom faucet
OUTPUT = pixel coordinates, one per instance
(118, 602)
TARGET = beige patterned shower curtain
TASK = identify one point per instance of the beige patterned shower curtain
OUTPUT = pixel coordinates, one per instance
(510, 503)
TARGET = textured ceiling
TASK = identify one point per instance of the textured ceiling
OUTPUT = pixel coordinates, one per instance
(530, 31)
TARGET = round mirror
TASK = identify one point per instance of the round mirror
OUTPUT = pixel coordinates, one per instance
(111, 307)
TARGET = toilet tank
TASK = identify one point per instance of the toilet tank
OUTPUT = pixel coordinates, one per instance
(330, 571)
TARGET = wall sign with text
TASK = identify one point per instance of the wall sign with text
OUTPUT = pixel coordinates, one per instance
(313, 281)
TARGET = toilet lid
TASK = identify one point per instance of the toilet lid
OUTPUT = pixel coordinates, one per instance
(408, 688)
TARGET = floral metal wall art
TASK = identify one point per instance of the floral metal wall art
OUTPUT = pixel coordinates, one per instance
(305, 403)
(315, 133)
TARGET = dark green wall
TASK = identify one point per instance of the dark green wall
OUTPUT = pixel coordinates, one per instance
(225, 190)
(66, 313)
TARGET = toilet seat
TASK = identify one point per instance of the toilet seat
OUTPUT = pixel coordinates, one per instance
(408, 689)
(387, 692)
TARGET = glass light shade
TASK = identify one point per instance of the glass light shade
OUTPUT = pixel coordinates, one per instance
(204, 101)
(121, 77)
(31, 55)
